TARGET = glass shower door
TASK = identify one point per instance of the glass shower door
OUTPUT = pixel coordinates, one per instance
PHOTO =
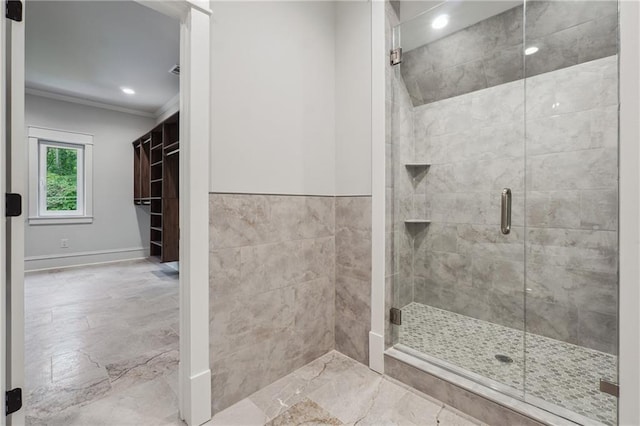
(456, 142)
(571, 212)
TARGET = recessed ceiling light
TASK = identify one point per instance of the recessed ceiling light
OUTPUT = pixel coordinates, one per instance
(128, 91)
(530, 50)
(440, 22)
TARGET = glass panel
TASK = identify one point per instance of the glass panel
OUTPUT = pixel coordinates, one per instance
(571, 213)
(61, 179)
(456, 140)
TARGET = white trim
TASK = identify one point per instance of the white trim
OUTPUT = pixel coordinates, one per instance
(67, 220)
(57, 135)
(4, 163)
(35, 157)
(378, 63)
(376, 352)
(82, 253)
(15, 230)
(168, 109)
(194, 370)
(70, 260)
(80, 101)
(629, 157)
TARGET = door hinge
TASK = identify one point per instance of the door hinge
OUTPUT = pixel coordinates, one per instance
(395, 316)
(12, 204)
(12, 401)
(13, 10)
(609, 387)
(396, 56)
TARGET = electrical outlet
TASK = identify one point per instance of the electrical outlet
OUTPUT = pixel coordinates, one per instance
(64, 243)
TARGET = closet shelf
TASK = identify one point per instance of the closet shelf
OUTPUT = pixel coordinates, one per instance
(172, 145)
(155, 228)
(156, 243)
(417, 165)
(157, 163)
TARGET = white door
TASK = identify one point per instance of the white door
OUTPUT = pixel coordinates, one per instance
(12, 180)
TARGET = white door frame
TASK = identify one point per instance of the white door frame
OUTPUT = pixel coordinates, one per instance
(629, 202)
(629, 205)
(3, 240)
(194, 370)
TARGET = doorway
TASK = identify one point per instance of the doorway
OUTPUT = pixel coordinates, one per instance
(101, 297)
(194, 369)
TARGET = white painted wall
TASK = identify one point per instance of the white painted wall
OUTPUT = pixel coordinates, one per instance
(291, 99)
(120, 230)
(273, 97)
(353, 97)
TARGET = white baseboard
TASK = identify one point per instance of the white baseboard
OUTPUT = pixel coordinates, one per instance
(376, 352)
(53, 261)
(197, 401)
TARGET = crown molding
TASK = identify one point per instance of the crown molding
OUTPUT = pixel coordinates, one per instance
(80, 101)
(169, 108)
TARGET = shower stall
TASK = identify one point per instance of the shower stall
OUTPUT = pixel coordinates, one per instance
(502, 197)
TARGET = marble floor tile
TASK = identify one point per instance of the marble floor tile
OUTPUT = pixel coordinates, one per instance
(305, 412)
(335, 390)
(101, 345)
(242, 413)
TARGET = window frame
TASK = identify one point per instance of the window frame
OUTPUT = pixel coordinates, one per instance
(39, 140)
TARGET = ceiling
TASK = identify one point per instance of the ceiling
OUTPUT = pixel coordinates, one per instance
(417, 16)
(90, 49)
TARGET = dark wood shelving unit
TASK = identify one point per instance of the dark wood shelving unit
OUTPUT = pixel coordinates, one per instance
(155, 172)
(170, 188)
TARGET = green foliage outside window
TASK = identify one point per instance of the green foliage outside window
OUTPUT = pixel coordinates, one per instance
(62, 179)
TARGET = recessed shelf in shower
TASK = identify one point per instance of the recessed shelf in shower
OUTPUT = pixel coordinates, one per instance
(417, 165)
(417, 222)
(417, 170)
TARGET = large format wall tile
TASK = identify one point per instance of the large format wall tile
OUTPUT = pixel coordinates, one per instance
(353, 276)
(476, 144)
(238, 220)
(272, 289)
(290, 279)
(490, 53)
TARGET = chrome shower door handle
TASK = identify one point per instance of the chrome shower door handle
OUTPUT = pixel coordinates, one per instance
(505, 216)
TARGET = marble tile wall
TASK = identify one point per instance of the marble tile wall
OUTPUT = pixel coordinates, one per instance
(572, 199)
(272, 289)
(476, 145)
(353, 277)
(290, 279)
(490, 53)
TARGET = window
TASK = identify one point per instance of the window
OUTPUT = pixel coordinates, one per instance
(60, 177)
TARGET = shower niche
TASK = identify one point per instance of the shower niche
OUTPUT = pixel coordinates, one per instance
(519, 96)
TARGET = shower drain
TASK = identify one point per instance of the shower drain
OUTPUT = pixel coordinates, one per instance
(504, 358)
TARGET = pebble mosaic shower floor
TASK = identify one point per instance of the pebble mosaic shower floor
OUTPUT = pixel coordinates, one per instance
(559, 373)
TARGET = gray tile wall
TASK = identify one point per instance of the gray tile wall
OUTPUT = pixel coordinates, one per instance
(476, 145)
(272, 289)
(353, 277)
(290, 279)
(490, 53)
